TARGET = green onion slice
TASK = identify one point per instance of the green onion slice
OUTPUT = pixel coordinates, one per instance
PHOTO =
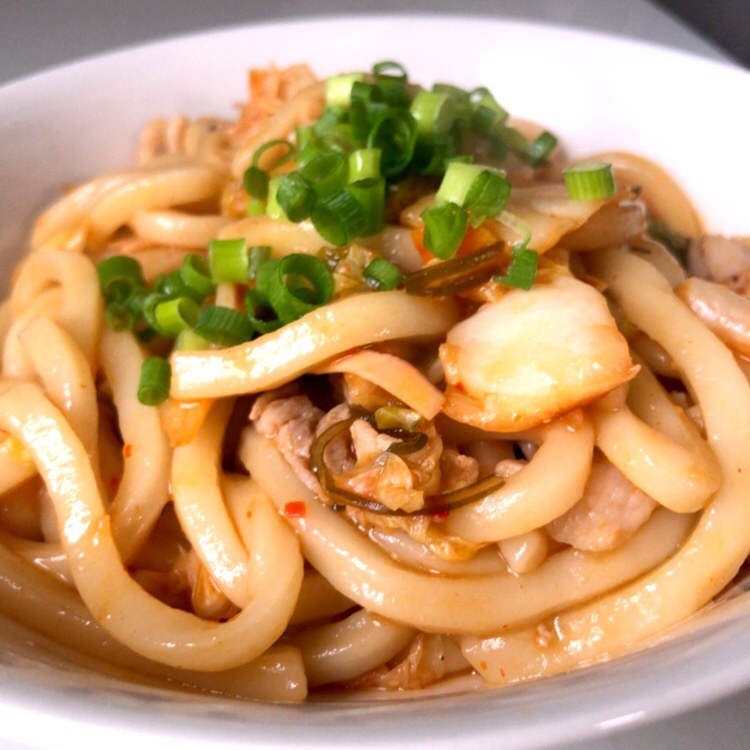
(339, 89)
(444, 228)
(590, 181)
(255, 182)
(195, 273)
(296, 197)
(522, 269)
(434, 112)
(390, 69)
(273, 209)
(173, 316)
(257, 256)
(364, 164)
(261, 315)
(295, 285)
(383, 274)
(228, 260)
(339, 218)
(370, 194)
(120, 277)
(224, 326)
(326, 173)
(538, 151)
(394, 132)
(153, 386)
(189, 340)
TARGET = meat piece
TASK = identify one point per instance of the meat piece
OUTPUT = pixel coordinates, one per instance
(611, 510)
(290, 423)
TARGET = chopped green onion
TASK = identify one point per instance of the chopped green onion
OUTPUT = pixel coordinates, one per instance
(522, 269)
(148, 308)
(366, 93)
(288, 154)
(229, 260)
(153, 387)
(295, 285)
(296, 197)
(303, 135)
(364, 164)
(590, 181)
(540, 148)
(224, 326)
(119, 278)
(510, 138)
(121, 317)
(383, 274)
(273, 209)
(255, 182)
(444, 228)
(394, 133)
(256, 179)
(487, 113)
(255, 207)
(482, 191)
(173, 316)
(434, 112)
(487, 196)
(261, 315)
(171, 285)
(189, 340)
(390, 69)
(195, 273)
(370, 194)
(326, 173)
(257, 256)
(339, 89)
(339, 218)
(329, 120)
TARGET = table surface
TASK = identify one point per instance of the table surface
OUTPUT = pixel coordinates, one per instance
(65, 30)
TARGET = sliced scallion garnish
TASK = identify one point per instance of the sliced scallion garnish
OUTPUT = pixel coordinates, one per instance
(590, 181)
(224, 326)
(383, 274)
(295, 285)
(228, 260)
(444, 228)
(195, 273)
(153, 386)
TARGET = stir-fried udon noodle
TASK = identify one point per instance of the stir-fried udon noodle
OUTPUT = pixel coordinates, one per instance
(370, 389)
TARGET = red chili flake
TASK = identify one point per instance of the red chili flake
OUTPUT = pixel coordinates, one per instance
(483, 665)
(440, 515)
(295, 509)
(502, 672)
(114, 485)
(127, 450)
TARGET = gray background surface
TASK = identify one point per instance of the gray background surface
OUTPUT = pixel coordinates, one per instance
(37, 34)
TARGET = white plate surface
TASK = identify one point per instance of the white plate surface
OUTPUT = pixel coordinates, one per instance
(596, 92)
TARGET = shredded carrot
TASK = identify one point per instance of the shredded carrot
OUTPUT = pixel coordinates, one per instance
(182, 419)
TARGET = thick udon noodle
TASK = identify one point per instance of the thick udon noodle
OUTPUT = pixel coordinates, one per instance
(160, 539)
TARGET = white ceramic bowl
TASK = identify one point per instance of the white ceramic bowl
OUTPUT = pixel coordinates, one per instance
(596, 92)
